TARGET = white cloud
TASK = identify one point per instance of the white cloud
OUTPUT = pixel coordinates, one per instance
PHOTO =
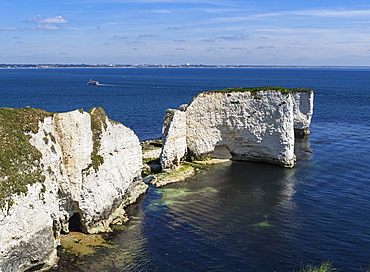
(10, 29)
(324, 13)
(208, 40)
(239, 37)
(147, 36)
(136, 42)
(266, 47)
(218, 10)
(45, 27)
(54, 20)
(234, 38)
(48, 27)
(333, 13)
(161, 11)
(46, 23)
(120, 37)
(209, 49)
(360, 22)
(38, 19)
(201, 27)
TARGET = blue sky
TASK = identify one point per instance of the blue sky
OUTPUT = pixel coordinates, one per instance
(264, 32)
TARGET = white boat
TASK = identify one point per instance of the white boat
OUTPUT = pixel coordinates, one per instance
(93, 82)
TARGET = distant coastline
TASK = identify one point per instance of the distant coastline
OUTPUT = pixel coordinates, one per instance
(83, 65)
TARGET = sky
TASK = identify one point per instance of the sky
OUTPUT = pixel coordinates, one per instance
(225, 32)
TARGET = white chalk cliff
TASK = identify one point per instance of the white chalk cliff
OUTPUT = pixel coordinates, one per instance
(254, 125)
(90, 170)
(302, 111)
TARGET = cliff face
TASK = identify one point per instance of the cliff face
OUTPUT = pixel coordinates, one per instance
(254, 125)
(302, 111)
(173, 139)
(87, 170)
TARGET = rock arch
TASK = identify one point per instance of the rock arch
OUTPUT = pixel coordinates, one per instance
(221, 151)
(255, 125)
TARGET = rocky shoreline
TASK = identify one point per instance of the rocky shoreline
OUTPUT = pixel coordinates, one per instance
(75, 245)
(152, 173)
(79, 171)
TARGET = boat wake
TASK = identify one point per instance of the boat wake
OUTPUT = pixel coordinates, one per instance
(111, 85)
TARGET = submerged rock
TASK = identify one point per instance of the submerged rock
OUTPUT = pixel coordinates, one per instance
(81, 172)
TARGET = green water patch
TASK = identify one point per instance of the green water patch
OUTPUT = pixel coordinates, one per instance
(171, 196)
(263, 224)
(79, 244)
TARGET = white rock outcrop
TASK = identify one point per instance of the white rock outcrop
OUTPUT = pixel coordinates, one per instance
(91, 169)
(173, 139)
(254, 125)
(302, 111)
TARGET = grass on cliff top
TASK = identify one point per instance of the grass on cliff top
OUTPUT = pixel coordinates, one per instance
(98, 123)
(254, 90)
(19, 160)
(257, 89)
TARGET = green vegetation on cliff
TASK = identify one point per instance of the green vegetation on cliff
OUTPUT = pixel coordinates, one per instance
(98, 123)
(19, 160)
(323, 267)
(254, 90)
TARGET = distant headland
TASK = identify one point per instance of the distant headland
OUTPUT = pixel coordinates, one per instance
(186, 65)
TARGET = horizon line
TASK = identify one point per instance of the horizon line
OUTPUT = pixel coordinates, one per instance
(186, 65)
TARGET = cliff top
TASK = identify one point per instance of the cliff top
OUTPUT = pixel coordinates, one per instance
(254, 90)
(257, 89)
(19, 160)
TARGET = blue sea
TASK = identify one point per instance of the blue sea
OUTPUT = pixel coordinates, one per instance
(239, 216)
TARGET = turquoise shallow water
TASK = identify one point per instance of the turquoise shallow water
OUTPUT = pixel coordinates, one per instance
(239, 216)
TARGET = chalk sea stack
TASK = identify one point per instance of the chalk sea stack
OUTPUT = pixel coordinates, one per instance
(255, 124)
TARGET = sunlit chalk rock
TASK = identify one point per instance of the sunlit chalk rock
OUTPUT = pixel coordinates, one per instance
(302, 110)
(174, 139)
(254, 124)
(89, 170)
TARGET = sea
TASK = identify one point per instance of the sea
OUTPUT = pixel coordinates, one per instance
(238, 216)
